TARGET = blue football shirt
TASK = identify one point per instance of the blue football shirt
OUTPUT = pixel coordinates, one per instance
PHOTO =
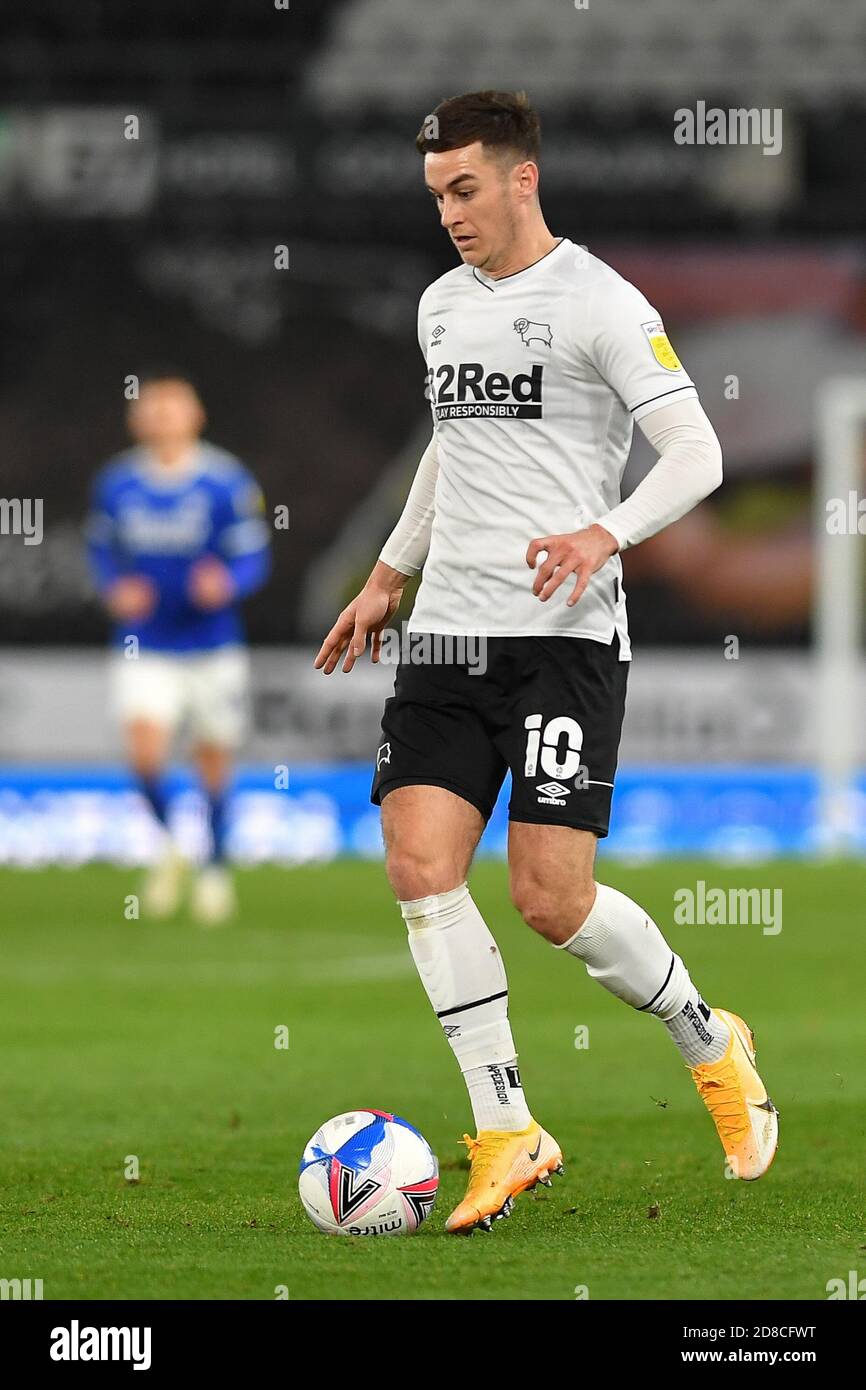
(159, 522)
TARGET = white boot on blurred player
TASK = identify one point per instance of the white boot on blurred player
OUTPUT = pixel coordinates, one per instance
(213, 901)
(164, 884)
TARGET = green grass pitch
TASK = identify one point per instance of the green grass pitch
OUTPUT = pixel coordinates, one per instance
(123, 1038)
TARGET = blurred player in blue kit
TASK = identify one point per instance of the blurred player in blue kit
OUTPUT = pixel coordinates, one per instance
(176, 539)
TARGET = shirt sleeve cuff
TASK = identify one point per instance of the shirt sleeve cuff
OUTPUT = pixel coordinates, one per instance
(610, 524)
(679, 393)
(402, 566)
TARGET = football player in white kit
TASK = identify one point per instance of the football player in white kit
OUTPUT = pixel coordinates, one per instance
(539, 359)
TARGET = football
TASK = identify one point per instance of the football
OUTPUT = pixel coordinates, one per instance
(368, 1173)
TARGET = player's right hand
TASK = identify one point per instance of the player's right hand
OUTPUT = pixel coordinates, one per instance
(365, 615)
(131, 598)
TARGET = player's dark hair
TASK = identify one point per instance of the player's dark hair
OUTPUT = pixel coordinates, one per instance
(165, 371)
(504, 122)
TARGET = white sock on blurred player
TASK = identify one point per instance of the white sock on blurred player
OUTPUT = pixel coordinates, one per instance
(623, 949)
(462, 971)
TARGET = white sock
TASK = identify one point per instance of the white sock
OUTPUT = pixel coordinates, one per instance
(462, 971)
(497, 1096)
(624, 950)
(699, 1032)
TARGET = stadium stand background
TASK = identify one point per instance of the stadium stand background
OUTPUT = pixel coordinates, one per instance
(296, 127)
(262, 127)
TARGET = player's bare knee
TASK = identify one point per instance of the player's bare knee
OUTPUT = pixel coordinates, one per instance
(147, 765)
(147, 748)
(533, 900)
(413, 873)
(554, 914)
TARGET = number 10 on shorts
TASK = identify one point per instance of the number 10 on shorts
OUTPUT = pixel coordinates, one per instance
(544, 746)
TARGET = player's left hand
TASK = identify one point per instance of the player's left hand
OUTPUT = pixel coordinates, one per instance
(211, 584)
(579, 552)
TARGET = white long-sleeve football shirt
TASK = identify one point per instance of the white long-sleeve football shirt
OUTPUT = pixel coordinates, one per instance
(535, 381)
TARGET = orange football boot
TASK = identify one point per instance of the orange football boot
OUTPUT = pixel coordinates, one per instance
(746, 1119)
(503, 1164)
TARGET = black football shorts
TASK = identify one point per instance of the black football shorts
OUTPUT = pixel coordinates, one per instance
(548, 708)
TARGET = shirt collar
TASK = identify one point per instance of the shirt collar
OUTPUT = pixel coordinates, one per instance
(180, 473)
(492, 281)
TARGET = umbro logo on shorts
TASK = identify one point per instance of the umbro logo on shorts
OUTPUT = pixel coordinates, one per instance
(552, 793)
(383, 755)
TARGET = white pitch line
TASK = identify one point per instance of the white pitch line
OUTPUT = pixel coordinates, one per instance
(347, 971)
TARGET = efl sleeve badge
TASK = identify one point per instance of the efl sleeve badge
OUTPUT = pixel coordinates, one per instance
(661, 346)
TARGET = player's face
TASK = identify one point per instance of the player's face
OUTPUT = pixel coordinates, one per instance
(166, 412)
(476, 195)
